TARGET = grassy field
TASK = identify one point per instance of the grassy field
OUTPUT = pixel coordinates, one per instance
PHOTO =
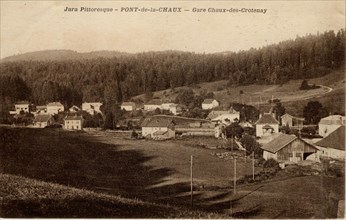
(109, 164)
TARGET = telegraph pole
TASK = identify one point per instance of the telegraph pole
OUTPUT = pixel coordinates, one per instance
(191, 169)
(235, 176)
(253, 165)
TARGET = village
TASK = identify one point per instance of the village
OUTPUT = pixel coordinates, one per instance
(269, 130)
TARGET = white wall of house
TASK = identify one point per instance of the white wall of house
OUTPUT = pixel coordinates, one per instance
(150, 107)
(324, 130)
(127, 107)
(230, 116)
(54, 109)
(21, 107)
(331, 152)
(261, 132)
(166, 106)
(73, 124)
(267, 155)
(86, 106)
(212, 105)
(150, 130)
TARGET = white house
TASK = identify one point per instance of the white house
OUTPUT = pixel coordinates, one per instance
(43, 120)
(23, 106)
(92, 107)
(41, 109)
(128, 106)
(329, 124)
(266, 125)
(55, 108)
(73, 122)
(333, 145)
(152, 105)
(292, 121)
(158, 127)
(210, 104)
(229, 116)
(166, 105)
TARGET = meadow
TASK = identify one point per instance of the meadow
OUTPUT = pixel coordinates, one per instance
(55, 173)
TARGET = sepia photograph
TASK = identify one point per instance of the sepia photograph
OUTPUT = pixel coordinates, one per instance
(192, 109)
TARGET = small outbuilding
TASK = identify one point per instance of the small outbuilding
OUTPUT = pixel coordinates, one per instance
(286, 148)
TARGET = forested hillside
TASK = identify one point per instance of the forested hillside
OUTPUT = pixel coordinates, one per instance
(112, 79)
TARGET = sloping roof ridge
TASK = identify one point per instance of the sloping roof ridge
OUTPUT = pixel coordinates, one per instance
(268, 145)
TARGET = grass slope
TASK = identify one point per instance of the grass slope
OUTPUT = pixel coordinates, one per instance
(289, 93)
(24, 197)
(56, 164)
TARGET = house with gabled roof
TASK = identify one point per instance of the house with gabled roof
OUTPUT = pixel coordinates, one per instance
(22, 106)
(153, 105)
(266, 125)
(288, 148)
(43, 120)
(333, 145)
(54, 108)
(74, 122)
(210, 103)
(158, 127)
(329, 124)
(291, 121)
(224, 116)
(128, 106)
(92, 107)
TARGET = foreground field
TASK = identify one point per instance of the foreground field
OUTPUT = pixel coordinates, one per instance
(107, 164)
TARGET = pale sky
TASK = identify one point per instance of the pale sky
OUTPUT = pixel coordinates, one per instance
(41, 25)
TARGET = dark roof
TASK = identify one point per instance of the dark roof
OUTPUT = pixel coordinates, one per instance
(280, 142)
(215, 114)
(208, 101)
(73, 117)
(42, 118)
(22, 103)
(267, 118)
(41, 107)
(156, 122)
(335, 140)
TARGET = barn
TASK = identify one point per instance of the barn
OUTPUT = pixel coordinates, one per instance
(284, 148)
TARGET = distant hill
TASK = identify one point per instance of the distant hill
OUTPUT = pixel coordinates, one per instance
(59, 55)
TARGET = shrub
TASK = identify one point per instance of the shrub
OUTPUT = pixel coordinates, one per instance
(271, 163)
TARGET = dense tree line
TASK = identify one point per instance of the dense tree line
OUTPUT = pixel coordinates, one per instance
(112, 80)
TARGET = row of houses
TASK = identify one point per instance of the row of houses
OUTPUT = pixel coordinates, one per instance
(53, 108)
(169, 106)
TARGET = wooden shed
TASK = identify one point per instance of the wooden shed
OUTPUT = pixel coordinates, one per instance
(287, 148)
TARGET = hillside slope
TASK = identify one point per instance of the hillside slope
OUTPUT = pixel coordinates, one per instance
(60, 55)
(331, 94)
(30, 198)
